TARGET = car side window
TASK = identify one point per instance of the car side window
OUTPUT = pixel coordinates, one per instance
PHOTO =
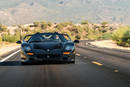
(67, 37)
(27, 38)
(57, 37)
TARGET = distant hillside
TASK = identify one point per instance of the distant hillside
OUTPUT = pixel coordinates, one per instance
(27, 11)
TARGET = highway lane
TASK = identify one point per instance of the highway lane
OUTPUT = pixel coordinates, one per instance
(112, 58)
(85, 73)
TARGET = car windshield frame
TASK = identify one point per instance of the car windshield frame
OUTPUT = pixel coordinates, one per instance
(40, 36)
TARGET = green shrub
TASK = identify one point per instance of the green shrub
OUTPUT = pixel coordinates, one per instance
(78, 37)
(93, 34)
(104, 23)
(49, 24)
(36, 24)
(43, 25)
(106, 36)
(59, 26)
(3, 27)
(10, 38)
(0, 39)
(84, 22)
(122, 36)
(65, 24)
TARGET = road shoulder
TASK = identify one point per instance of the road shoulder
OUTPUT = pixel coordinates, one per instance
(7, 50)
(109, 44)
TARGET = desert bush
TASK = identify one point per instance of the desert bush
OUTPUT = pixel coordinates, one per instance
(36, 24)
(93, 34)
(43, 25)
(84, 22)
(59, 27)
(65, 24)
(25, 29)
(0, 39)
(3, 27)
(122, 36)
(75, 29)
(49, 24)
(104, 23)
(78, 36)
(92, 37)
(10, 38)
(106, 36)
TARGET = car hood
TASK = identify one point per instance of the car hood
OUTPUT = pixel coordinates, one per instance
(47, 45)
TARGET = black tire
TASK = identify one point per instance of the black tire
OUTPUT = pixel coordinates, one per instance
(23, 63)
(72, 62)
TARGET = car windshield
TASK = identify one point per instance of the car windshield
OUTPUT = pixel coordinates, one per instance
(48, 37)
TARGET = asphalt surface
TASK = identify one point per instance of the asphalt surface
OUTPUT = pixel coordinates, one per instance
(89, 71)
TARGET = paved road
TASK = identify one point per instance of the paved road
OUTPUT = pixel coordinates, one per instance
(87, 72)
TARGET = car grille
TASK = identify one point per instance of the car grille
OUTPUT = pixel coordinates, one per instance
(48, 56)
(58, 46)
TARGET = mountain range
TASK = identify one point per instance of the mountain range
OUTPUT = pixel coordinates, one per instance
(14, 12)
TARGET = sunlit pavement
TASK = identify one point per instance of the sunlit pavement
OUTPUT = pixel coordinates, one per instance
(86, 72)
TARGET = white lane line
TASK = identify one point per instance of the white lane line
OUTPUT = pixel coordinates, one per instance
(9, 56)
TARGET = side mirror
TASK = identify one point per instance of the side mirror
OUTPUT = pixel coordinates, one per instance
(18, 42)
(76, 41)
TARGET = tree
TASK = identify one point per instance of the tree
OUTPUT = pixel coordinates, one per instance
(59, 26)
(84, 22)
(78, 36)
(44, 25)
(3, 27)
(36, 24)
(122, 36)
(0, 39)
(104, 24)
(27, 29)
(49, 24)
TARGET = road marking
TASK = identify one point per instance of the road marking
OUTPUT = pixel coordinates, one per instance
(77, 54)
(9, 56)
(97, 63)
(116, 71)
(85, 57)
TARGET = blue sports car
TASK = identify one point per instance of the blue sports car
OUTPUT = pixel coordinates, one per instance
(47, 47)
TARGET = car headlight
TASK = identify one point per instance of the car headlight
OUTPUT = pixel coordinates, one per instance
(27, 48)
(69, 48)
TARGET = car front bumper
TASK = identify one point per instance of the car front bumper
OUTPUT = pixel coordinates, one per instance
(48, 57)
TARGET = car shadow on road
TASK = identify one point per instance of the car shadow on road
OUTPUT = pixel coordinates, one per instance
(18, 63)
(10, 63)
